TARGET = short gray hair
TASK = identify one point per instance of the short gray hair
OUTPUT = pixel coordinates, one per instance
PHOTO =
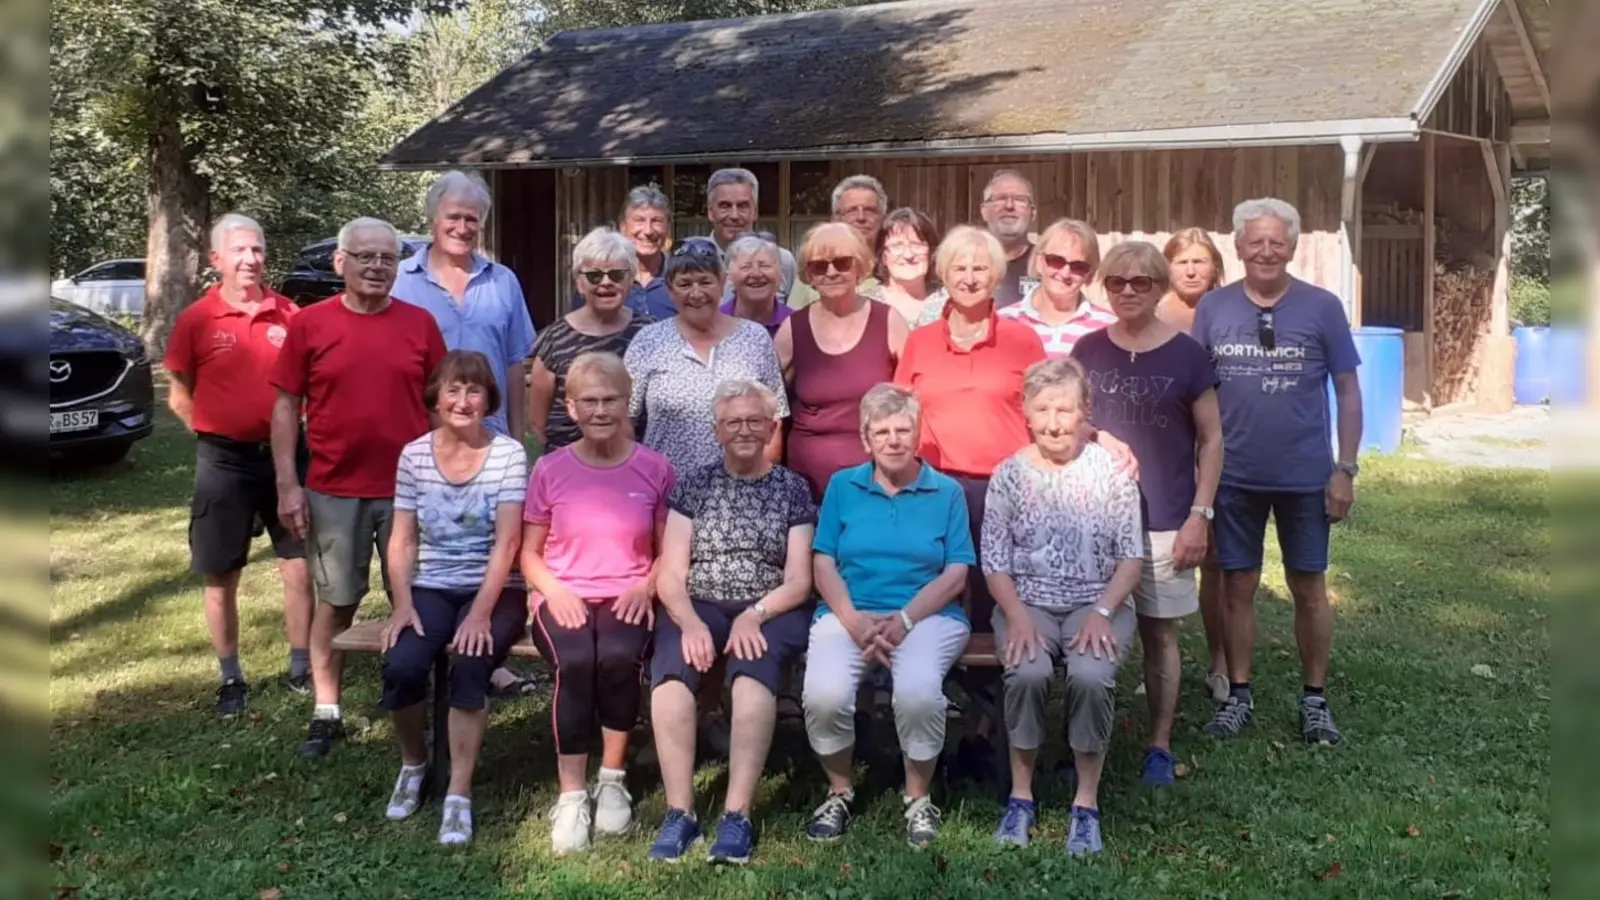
(646, 195)
(734, 176)
(752, 243)
(884, 400)
(1251, 210)
(861, 183)
(235, 222)
(364, 223)
(468, 186)
(988, 189)
(605, 244)
(1057, 372)
(734, 388)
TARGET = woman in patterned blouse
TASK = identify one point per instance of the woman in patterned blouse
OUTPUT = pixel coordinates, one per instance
(1062, 547)
(907, 282)
(603, 324)
(734, 580)
(676, 365)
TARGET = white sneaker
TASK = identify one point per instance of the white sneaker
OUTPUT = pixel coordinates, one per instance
(1219, 686)
(613, 805)
(456, 827)
(570, 818)
(407, 794)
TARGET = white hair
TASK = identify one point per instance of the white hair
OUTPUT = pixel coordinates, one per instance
(734, 388)
(235, 222)
(605, 245)
(734, 176)
(348, 231)
(1251, 210)
(647, 195)
(752, 243)
(988, 189)
(861, 183)
(458, 185)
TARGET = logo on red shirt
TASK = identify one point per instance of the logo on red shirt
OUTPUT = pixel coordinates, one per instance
(222, 341)
(276, 334)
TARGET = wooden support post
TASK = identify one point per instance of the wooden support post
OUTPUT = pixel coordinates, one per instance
(1429, 238)
(1497, 365)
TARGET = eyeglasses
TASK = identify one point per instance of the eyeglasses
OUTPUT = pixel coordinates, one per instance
(1079, 267)
(367, 258)
(1142, 284)
(906, 248)
(861, 211)
(595, 404)
(753, 424)
(595, 276)
(1266, 336)
(1010, 200)
(840, 264)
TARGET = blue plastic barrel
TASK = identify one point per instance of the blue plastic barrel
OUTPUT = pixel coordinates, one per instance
(1530, 380)
(1569, 366)
(1382, 374)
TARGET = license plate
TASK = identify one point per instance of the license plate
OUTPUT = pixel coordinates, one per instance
(76, 420)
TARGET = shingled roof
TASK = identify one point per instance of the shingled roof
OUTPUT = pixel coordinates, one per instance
(962, 76)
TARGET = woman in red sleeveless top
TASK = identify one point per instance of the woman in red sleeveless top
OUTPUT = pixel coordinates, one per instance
(832, 351)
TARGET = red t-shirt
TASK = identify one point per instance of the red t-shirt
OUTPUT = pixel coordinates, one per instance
(229, 357)
(971, 399)
(362, 377)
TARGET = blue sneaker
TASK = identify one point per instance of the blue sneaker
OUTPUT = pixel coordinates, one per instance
(734, 837)
(1160, 768)
(1083, 834)
(679, 831)
(1016, 823)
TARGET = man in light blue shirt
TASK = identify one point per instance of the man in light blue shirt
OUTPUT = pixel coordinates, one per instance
(478, 303)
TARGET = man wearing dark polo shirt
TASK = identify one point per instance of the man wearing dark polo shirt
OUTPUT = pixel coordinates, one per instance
(1008, 212)
(220, 355)
(356, 364)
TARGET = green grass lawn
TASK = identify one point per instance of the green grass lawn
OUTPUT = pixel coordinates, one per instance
(1440, 790)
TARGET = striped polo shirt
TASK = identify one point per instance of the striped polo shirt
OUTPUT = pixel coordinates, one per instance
(1059, 339)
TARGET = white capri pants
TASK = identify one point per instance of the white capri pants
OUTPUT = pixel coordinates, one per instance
(833, 677)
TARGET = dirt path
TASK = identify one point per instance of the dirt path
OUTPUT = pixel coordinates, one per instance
(1519, 439)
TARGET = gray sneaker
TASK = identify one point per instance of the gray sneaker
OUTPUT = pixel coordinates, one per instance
(1083, 832)
(1230, 718)
(922, 822)
(1316, 722)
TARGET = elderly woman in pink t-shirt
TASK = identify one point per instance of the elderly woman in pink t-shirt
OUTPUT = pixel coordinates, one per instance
(595, 515)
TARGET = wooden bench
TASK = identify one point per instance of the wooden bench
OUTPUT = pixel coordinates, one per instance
(976, 672)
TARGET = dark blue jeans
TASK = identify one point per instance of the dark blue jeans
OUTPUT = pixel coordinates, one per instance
(1241, 528)
(408, 663)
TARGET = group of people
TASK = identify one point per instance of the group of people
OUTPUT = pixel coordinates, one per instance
(859, 454)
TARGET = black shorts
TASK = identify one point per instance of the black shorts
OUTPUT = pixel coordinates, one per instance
(234, 486)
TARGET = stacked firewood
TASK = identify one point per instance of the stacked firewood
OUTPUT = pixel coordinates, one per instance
(1463, 276)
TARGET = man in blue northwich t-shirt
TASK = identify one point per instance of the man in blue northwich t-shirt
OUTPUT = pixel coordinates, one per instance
(1275, 341)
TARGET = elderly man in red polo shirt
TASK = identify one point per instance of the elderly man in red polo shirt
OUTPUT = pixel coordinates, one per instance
(356, 364)
(222, 349)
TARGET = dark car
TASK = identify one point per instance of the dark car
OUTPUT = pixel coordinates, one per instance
(102, 397)
(313, 277)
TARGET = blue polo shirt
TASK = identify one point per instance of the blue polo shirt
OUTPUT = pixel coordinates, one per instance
(651, 299)
(889, 548)
(492, 317)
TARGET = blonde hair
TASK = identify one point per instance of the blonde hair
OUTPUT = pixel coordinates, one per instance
(966, 238)
(1187, 239)
(598, 365)
(1131, 258)
(829, 233)
(1087, 239)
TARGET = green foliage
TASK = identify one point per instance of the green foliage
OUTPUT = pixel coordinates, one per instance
(1530, 300)
(565, 15)
(1530, 228)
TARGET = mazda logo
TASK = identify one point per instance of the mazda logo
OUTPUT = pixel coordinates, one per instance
(60, 370)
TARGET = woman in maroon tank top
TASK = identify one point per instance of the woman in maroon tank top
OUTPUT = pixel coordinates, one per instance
(832, 352)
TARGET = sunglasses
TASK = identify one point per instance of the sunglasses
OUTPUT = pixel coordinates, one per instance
(840, 264)
(1142, 284)
(1079, 267)
(699, 248)
(595, 276)
(1265, 335)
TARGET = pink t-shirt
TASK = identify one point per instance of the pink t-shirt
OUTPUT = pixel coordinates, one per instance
(602, 520)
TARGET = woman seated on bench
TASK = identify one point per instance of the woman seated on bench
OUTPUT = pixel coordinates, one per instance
(1063, 550)
(457, 524)
(595, 514)
(735, 578)
(892, 550)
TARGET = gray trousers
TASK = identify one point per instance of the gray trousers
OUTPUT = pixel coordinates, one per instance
(1091, 682)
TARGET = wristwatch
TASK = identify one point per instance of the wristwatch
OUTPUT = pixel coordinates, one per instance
(1205, 511)
(907, 621)
(760, 609)
(1349, 468)
(1103, 611)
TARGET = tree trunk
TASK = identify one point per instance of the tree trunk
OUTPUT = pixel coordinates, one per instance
(179, 202)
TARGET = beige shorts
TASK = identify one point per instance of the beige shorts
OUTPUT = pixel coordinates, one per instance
(1164, 592)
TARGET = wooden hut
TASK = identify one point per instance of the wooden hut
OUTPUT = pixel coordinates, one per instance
(1394, 128)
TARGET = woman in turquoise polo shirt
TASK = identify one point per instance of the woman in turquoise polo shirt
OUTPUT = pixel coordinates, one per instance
(891, 556)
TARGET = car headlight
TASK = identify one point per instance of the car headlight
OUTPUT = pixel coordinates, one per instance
(140, 355)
